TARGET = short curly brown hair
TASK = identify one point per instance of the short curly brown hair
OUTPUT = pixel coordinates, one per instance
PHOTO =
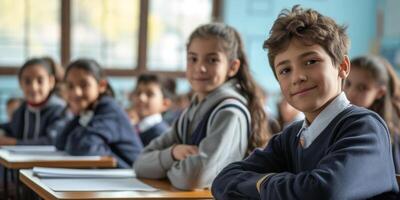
(310, 27)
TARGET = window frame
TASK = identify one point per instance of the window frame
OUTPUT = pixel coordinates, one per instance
(65, 50)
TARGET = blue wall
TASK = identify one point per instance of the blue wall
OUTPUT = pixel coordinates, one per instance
(254, 19)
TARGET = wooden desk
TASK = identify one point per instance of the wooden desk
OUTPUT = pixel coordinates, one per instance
(166, 191)
(18, 161)
(25, 161)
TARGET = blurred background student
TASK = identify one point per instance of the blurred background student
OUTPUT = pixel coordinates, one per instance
(41, 116)
(150, 100)
(373, 84)
(100, 127)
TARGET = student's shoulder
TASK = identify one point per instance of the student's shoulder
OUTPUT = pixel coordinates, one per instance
(353, 119)
(355, 113)
(229, 106)
(107, 105)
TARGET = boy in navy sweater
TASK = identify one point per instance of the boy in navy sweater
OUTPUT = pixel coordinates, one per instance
(150, 99)
(339, 151)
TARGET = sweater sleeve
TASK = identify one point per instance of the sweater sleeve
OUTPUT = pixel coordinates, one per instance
(226, 133)
(156, 157)
(358, 165)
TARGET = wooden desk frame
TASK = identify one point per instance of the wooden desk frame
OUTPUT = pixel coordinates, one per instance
(8, 163)
(166, 191)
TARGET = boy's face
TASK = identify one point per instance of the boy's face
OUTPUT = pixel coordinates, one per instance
(307, 77)
(148, 100)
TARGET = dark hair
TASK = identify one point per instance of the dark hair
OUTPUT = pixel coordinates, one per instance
(232, 44)
(92, 67)
(58, 70)
(388, 107)
(36, 61)
(309, 27)
(154, 79)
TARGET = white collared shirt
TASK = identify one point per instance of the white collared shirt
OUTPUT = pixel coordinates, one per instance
(309, 132)
(148, 122)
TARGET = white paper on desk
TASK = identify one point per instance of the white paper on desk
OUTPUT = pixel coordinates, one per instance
(45, 172)
(97, 184)
(31, 149)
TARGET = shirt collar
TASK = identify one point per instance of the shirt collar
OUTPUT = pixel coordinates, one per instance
(324, 118)
(149, 122)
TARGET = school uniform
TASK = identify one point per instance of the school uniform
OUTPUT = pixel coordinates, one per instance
(218, 126)
(39, 125)
(103, 131)
(396, 152)
(151, 127)
(344, 154)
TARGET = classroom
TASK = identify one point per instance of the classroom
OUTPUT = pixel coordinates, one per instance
(199, 99)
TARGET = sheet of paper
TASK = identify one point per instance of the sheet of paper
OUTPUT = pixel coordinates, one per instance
(30, 148)
(97, 184)
(43, 172)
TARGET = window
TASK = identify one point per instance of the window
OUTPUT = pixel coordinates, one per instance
(106, 31)
(125, 36)
(28, 28)
(170, 24)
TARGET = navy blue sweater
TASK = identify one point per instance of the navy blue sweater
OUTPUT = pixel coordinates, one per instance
(108, 133)
(153, 132)
(350, 159)
(39, 126)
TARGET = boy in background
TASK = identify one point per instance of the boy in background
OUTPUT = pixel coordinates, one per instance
(150, 99)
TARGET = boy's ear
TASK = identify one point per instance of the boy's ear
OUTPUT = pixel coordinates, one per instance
(234, 68)
(344, 67)
(103, 86)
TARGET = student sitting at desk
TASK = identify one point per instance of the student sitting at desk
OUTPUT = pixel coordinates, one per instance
(100, 127)
(339, 151)
(225, 119)
(150, 99)
(41, 116)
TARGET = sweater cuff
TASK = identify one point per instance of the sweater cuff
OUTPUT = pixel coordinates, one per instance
(166, 158)
(262, 180)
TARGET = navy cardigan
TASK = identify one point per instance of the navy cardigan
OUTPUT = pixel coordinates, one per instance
(108, 133)
(350, 159)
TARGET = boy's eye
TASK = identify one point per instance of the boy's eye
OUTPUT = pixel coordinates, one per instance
(311, 61)
(40, 80)
(70, 86)
(150, 94)
(84, 84)
(27, 81)
(361, 88)
(284, 71)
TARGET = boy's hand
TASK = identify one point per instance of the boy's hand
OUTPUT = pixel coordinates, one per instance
(182, 151)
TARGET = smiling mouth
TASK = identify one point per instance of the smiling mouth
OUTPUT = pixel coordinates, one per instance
(304, 91)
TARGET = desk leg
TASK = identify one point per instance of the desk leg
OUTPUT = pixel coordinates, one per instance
(5, 182)
(17, 186)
